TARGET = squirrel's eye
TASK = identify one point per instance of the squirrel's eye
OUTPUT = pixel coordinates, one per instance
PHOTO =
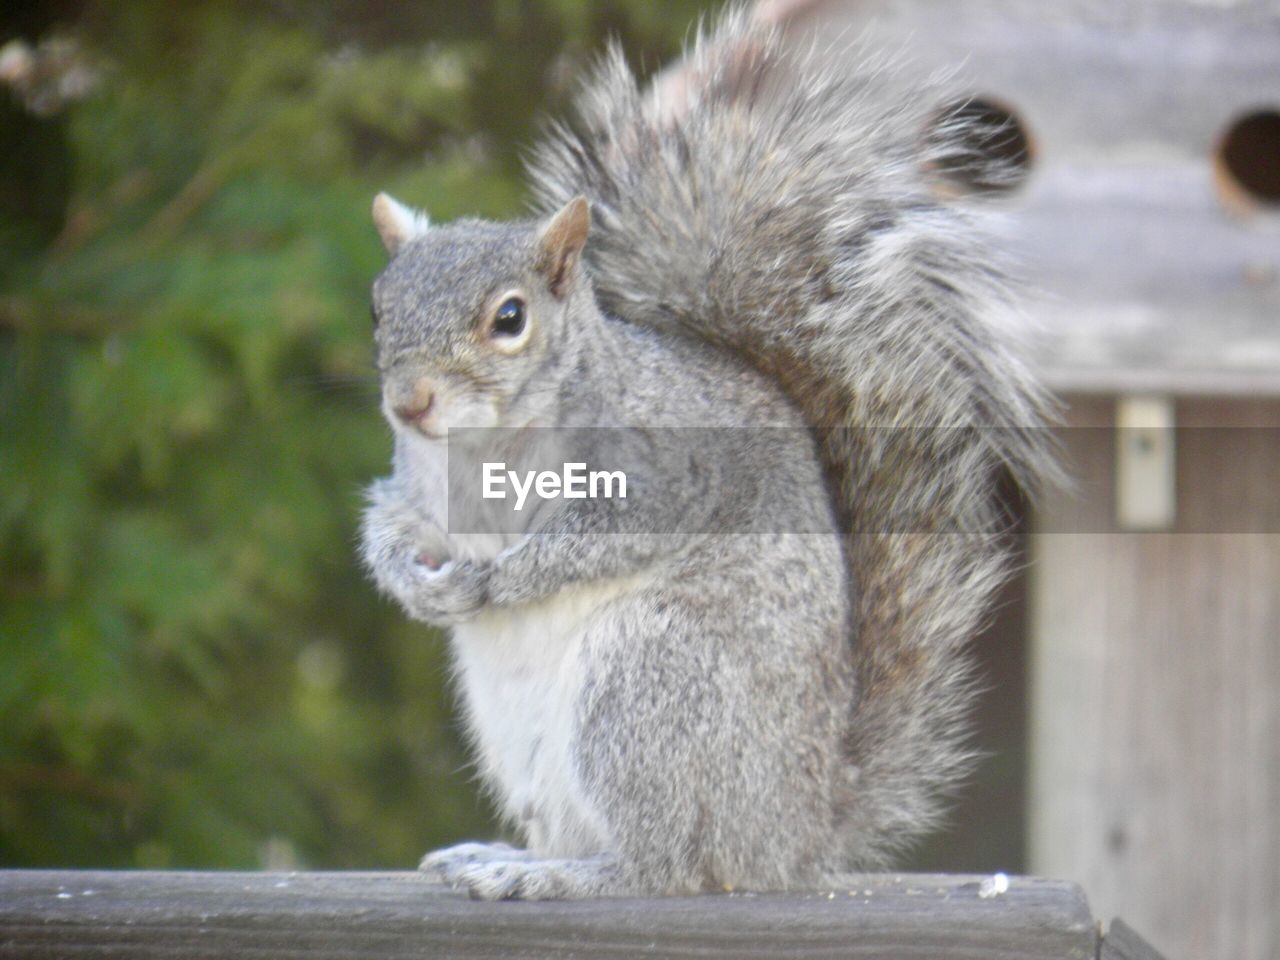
(373, 315)
(509, 319)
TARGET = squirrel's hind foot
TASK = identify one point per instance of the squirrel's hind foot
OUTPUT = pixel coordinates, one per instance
(496, 871)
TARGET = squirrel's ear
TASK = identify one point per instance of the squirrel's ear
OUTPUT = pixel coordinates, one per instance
(561, 244)
(396, 223)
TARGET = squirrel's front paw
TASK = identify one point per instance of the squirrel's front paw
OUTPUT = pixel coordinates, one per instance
(514, 578)
(440, 593)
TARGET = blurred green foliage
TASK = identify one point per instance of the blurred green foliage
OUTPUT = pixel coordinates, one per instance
(193, 669)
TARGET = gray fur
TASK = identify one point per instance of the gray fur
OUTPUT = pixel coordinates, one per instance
(734, 710)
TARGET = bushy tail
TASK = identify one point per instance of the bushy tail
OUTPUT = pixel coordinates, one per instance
(758, 198)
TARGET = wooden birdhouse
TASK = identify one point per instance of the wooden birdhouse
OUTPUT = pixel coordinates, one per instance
(1144, 205)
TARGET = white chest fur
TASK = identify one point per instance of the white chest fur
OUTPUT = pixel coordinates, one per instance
(521, 674)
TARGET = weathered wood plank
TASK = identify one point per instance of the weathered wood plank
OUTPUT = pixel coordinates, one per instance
(46, 914)
(1155, 759)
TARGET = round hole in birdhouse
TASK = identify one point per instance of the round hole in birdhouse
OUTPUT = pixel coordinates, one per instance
(1248, 160)
(979, 146)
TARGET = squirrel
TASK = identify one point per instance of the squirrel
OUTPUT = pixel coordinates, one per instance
(660, 702)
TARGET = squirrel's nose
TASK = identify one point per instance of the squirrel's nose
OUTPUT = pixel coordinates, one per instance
(412, 413)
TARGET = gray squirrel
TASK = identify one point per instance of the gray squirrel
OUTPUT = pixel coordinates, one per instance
(659, 702)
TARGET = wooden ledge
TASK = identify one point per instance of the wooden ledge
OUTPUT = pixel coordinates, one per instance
(146, 914)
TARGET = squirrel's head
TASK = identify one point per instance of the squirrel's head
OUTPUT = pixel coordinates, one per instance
(471, 319)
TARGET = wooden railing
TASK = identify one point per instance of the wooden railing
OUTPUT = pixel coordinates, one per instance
(140, 915)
